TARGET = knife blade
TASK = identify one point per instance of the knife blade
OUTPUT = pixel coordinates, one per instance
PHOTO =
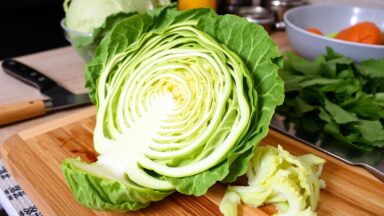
(372, 161)
(58, 97)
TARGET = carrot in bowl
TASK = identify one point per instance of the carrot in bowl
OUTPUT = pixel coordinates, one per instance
(314, 30)
(364, 32)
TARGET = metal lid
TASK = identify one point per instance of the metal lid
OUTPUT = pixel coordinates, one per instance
(289, 3)
(256, 14)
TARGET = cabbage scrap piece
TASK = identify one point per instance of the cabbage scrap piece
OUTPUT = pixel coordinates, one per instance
(276, 177)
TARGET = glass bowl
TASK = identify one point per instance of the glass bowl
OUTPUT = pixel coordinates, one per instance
(86, 52)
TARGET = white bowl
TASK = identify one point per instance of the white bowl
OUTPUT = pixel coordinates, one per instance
(331, 19)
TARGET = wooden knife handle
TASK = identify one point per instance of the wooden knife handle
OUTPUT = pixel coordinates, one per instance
(11, 113)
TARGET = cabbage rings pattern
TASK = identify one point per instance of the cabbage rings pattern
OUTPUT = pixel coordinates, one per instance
(177, 101)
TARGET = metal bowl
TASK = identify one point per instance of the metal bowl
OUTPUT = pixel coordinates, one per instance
(331, 19)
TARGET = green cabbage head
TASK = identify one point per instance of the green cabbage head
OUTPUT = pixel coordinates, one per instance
(182, 100)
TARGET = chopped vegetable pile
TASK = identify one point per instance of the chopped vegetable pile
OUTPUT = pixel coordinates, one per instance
(336, 95)
(276, 177)
(182, 100)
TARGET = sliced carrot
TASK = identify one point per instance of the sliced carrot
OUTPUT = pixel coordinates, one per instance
(364, 32)
(314, 31)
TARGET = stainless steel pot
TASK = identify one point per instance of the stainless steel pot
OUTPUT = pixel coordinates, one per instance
(270, 15)
(258, 15)
(279, 7)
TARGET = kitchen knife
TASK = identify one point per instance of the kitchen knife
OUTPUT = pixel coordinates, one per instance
(372, 161)
(58, 97)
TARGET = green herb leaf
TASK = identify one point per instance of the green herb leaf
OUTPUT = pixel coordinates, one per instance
(342, 98)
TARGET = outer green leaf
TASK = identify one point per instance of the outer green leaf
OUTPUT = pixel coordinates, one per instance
(101, 31)
(102, 193)
(169, 17)
(199, 184)
(134, 27)
(258, 52)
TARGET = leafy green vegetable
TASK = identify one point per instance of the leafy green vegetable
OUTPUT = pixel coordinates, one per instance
(276, 177)
(182, 100)
(372, 68)
(336, 95)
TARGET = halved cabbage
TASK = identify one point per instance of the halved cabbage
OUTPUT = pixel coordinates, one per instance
(182, 99)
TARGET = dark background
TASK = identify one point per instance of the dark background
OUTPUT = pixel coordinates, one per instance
(28, 26)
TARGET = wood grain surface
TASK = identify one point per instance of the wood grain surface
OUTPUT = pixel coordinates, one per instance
(15, 112)
(34, 157)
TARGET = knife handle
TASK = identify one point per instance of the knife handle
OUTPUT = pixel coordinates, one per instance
(27, 74)
(15, 112)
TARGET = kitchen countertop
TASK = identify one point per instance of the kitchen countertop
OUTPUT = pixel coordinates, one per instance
(54, 64)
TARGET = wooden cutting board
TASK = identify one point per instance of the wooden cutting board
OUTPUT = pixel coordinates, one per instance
(34, 156)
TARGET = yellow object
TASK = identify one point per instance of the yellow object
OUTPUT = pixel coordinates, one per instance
(189, 4)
